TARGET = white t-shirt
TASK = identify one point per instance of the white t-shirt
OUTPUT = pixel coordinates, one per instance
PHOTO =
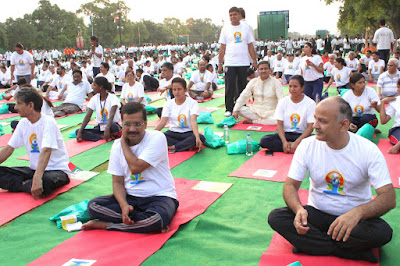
(310, 73)
(342, 77)
(46, 110)
(290, 67)
(278, 65)
(328, 67)
(361, 105)
(42, 134)
(200, 80)
(77, 93)
(339, 179)
(383, 37)
(60, 82)
(103, 108)
(376, 66)
(96, 60)
(366, 60)
(131, 94)
(4, 77)
(179, 115)
(110, 77)
(236, 39)
(44, 75)
(156, 180)
(295, 116)
(352, 64)
(165, 83)
(393, 110)
(22, 63)
(388, 83)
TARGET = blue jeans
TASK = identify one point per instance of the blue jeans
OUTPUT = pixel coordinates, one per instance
(314, 88)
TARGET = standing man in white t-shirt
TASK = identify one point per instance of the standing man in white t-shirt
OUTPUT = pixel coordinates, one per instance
(340, 219)
(48, 158)
(97, 52)
(236, 42)
(22, 62)
(384, 39)
(144, 198)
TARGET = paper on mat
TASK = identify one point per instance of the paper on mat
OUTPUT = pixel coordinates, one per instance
(219, 134)
(254, 128)
(4, 123)
(73, 262)
(264, 173)
(83, 175)
(74, 227)
(212, 186)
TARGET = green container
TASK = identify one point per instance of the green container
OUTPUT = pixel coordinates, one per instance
(367, 131)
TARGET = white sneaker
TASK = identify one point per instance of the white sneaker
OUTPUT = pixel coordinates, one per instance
(228, 113)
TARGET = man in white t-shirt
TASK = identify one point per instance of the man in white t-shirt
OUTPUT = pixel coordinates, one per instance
(201, 80)
(236, 44)
(384, 39)
(97, 53)
(22, 62)
(375, 67)
(48, 159)
(340, 219)
(144, 198)
(78, 89)
(58, 84)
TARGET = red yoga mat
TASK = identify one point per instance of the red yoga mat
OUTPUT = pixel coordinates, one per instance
(8, 115)
(5, 139)
(255, 127)
(110, 247)
(279, 251)
(207, 109)
(23, 202)
(271, 168)
(74, 148)
(179, 157)
(392, 161)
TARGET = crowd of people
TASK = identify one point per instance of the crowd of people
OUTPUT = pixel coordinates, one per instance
(340, 220)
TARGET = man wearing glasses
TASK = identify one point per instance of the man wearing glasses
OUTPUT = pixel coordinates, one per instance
(144, 198)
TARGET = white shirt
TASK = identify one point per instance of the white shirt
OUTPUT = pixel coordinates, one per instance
(339, 179)
(103, 108)
(155, 180)
(352, 64)
(295, 116)
(132, 94)
(383, 37)
(179, 115)
(22, 63)
(393, 110)
(328, 67)
(388, 83)
(289, 68)
(110, 77)
(96, 60)
(278, 65)
(361, 104)
(77, 93)
(165, 83)
(236, 39)
(4, 77)
(200, 80)
(42, 134)
(376, 66)
(341, 77)
(310, 73)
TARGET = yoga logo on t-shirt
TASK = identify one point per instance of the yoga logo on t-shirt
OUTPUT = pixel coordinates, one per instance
(34, 143)
(238, 37)
(359, 110)
(351, 66)
(104, 115)
(375, 68)
(182, 120)
(21, 62)
(295, 121)
(307, 66)
(290, 66)
(130, 97)
(335, 182)
(338, 77)
(60, 85)
(138, 178)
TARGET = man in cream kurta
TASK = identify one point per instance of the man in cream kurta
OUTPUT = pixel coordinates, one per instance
(266, 92)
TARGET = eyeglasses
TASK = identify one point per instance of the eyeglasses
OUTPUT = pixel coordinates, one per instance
(130, 75)
(135, 124)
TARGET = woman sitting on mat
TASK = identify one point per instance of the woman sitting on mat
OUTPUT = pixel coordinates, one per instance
(182, 112)
(106, 105)
(340, 74)
(295, 117)
(132, 91)
(363, 101)
(393, 110)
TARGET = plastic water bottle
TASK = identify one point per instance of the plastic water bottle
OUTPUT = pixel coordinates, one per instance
(249, 146)
(226, 133)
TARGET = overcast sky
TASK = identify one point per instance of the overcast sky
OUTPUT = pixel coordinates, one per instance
(305, 16)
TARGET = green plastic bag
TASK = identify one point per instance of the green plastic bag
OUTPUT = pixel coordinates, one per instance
(230, 121)
(194, 69)
(148, 99)
(80, 210)
(4, 109)
(150, 109)
(239, 147)
(212, 140)
(188, 75)
(1, 130)
(367, 131)
(205, 118)
(220, 82)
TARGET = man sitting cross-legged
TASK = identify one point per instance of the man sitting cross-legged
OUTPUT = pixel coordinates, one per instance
(144, 197)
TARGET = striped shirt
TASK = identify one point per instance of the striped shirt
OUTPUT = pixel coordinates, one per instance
(388, 83)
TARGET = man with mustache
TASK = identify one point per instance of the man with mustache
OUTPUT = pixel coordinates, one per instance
(340, 219)
(144, 198)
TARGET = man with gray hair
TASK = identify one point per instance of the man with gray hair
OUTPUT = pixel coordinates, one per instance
(340, 218)
(387, 81)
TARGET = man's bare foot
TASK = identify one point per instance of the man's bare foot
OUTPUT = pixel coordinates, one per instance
(94, 224)
(247, 121)
(171, 147)
(165, 230)
(394, 150)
